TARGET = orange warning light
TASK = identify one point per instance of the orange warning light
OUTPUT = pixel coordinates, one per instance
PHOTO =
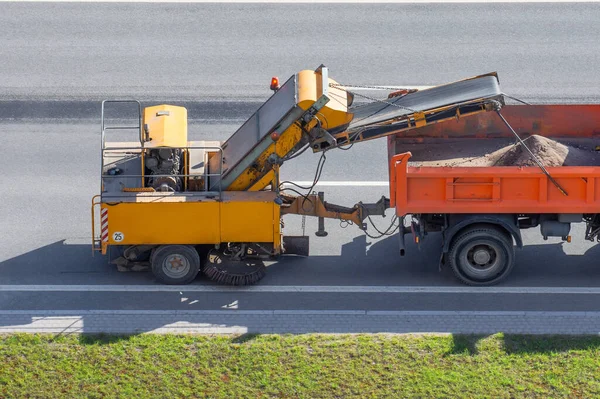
(274, 136)
(274, 83)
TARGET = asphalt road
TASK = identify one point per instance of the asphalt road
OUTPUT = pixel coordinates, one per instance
(229, 52)
(59, 60)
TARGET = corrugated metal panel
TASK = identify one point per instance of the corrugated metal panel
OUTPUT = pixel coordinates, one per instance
(256, 129)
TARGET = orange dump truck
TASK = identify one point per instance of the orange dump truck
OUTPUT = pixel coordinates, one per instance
(481, 210)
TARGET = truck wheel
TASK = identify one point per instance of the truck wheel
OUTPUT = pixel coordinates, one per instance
(482, 256)
(175, 264)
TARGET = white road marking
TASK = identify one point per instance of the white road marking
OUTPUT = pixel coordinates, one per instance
(303, 289)
(350, 183)
(310, 1)
(74, 314)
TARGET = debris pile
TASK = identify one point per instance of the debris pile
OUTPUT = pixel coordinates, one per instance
(548, 152)
(505, 152)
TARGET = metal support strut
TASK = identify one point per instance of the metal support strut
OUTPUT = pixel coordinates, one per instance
(321, 231)
(535, 159)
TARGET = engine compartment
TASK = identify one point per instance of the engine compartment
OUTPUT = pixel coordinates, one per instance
(164, 168)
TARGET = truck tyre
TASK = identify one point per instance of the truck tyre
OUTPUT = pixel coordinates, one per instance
(175, 264)
(482, 255)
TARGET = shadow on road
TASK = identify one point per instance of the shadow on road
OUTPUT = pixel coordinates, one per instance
(361, 262)
(56, 258)
(364, 263)
(60, 263)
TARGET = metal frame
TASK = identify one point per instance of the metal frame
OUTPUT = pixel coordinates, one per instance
(103, 124)
(95, 247)
(104, 128)
(208, 175)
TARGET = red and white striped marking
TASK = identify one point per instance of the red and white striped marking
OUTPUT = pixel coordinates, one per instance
(104, 224)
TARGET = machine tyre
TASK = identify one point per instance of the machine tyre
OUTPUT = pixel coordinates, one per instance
(175, 264)
(482, 256)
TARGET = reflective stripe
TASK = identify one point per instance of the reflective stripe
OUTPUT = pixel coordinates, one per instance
(104, 223)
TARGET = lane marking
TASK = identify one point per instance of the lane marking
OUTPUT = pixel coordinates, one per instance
(303, 289)
(384, 313)
(350, 183)
(309, 1)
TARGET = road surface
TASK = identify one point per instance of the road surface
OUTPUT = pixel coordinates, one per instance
(59, 60)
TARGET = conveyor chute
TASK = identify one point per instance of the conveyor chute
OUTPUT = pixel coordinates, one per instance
(311, 108)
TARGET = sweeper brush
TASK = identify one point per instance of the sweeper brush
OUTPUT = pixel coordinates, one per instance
(224, 270)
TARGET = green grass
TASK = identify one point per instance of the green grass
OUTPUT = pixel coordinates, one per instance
(303, 366)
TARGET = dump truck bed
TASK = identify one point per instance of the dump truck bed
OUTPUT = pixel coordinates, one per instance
(454, 169)
(502, 152)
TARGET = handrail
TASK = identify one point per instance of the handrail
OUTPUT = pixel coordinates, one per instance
(103, 128)
(103, 124)
(129, 148)
(94, 204)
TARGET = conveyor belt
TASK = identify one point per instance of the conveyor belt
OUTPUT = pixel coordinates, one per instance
(244, 153)
(382, 118)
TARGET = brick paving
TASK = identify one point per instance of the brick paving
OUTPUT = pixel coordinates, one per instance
(299, 321)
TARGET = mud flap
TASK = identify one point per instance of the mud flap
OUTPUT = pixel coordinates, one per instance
(296, 245)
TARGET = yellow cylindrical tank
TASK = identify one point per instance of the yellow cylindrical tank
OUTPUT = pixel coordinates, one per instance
(165, 126)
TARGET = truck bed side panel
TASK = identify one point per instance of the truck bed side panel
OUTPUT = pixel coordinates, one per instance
(550, 120)
(502, 189)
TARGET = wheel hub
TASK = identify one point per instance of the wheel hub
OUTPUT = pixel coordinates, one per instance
(175, 265)
(481, 256)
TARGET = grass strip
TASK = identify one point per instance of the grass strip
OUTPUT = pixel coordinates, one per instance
(298, 366)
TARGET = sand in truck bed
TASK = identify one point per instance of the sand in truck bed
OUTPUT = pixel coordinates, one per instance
(503, 152)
